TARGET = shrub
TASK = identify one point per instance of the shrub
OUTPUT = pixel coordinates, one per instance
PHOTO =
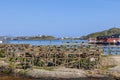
(2, 54)
(6, 69)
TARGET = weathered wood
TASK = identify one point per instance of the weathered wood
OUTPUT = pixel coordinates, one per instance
(44, 56)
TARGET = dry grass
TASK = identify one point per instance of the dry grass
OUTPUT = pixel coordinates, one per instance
(12, 78)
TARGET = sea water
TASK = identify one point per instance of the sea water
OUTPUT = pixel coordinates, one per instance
(45, 42)
(107, 49)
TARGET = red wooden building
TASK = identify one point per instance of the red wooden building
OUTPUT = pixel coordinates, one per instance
(106, 39)
(112, 40)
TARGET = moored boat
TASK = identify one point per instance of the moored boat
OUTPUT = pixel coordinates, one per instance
(118, 43)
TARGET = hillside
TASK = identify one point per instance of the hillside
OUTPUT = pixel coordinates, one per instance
(108, 32)
(43, 37)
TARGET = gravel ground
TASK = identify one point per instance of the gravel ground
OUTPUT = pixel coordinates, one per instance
(117, 59)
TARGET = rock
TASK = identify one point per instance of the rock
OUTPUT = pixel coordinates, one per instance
(3, 63)
(37, 73)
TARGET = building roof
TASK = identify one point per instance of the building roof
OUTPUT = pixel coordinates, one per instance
(113, 36)
(116, 36)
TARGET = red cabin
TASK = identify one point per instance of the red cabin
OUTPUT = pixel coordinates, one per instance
(112, 40)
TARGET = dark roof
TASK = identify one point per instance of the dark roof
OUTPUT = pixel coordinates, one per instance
(113, 36)
(116, 36)
(98, 37)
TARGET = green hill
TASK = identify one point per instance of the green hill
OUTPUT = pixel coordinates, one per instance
(108, 32)
(43, 37)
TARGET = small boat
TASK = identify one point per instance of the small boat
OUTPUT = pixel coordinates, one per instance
(118, 43)
(1, 42)
(3, 39)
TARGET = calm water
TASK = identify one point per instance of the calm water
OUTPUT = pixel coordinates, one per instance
(111, 49)
(44, 42)
(114, 49)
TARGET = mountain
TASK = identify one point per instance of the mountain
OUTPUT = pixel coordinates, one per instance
(108, 32)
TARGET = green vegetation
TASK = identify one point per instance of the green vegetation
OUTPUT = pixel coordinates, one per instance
(48, 68)
(22, 72)
(107, 67)
(2, 54)
(108, 32)
(86, 64)
(6, 69)
(45, 68)
(43, 37)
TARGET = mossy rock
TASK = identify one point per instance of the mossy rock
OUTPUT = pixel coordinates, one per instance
(6, 69)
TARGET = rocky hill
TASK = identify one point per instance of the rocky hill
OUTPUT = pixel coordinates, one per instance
(108, 32)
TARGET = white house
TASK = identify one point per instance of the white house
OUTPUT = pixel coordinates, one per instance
(3, 39)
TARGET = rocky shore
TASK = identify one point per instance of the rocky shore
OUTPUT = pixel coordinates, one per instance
(107, 67)
(107, 70)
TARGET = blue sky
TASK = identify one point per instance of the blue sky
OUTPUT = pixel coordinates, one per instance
(59, 18)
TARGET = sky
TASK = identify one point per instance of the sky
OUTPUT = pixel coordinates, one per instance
(60, 18)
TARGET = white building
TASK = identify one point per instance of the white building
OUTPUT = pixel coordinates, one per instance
(1, 42)
(3, 39)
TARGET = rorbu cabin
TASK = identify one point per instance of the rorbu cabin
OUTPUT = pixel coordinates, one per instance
(102, 38)
(114, 39)
(92, 40)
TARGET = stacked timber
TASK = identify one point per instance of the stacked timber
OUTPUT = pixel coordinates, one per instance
(27, 56)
